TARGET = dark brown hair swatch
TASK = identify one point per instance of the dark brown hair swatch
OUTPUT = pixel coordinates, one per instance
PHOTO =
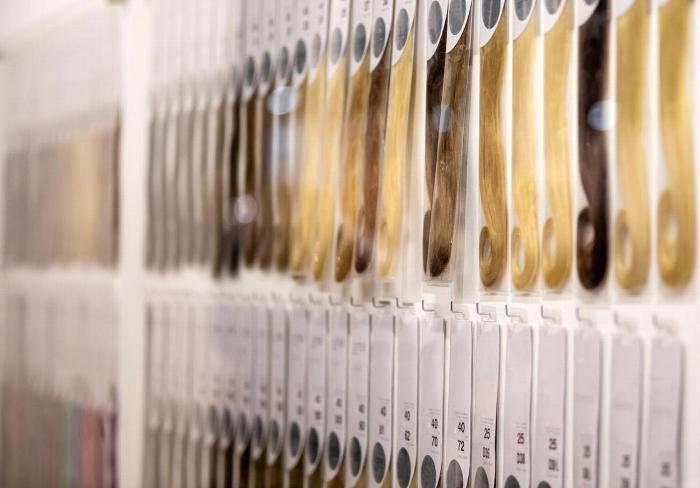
(451, 153)
(374, 152)
(592, 222)
(435, 71)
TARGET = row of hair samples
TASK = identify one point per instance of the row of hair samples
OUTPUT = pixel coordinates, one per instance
(394, 186)
(58, 407)
(61, 165)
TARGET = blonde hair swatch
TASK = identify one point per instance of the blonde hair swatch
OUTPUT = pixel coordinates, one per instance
(632, 222)
(331, 140)
(374, 152)
(450, 155)
(396, 162)
(266, 232)
(676, 207)
(282, 143)
(493, 236)
(592, 224)
(309, 166)
(353, 143)
(524, 245)
(556, 232)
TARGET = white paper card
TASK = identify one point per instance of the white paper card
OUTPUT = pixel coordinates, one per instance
(487, 350)
(458, 358)
(406, 381)
(278, 381)
(549, 407)
(625, 409)
(587, 384)
(664, 429)
(296, 386)
(431, 393)
(316, 387)
(358, 391)
(337, 390)
(381, 363)
(261, 328)
(517, 401)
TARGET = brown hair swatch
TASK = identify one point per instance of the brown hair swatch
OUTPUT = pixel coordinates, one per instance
(592, 223)
(632, 233)
(435, 71)
(184, 186)
(252, 154)
(153, 208)
(493, 236)
(557, 231)
(282, 214)
(676, 207)
(216, 173)
(524, 245)
(451, 153)
(374, 152)
(266, 234)
(353, 142)
(396, 162)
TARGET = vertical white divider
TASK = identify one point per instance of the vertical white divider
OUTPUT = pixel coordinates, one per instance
(131, 341)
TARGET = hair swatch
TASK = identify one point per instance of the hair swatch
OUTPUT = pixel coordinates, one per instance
(247, 206)
(353, 143)
(374, 152)
(216, 172)
(632, 233)
(232, 242)
(556, 231)
(592, 224)
(266, 232)
(153, 208)
(184, 186)
(676, 207)
(524, 245)
(435, 71)
(493, 236)
(308, 167)
(451, 154)
(396, 162)
(198, 190)
(331, 140)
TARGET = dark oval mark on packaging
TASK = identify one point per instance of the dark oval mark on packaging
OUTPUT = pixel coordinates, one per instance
(552, 5)
(511, 482)
(333, 451)
(456, 15)
(355, 456)
(315, 50)
(312, 446)
(294, 438)
(300, 57)
(336, 45)
(435, 22)
(378, 38)
(482, 480)
(403, 468)
(378, 462)
(490, 12)
(455, 478)
(401, 34)
(428, 474)
(523, 8)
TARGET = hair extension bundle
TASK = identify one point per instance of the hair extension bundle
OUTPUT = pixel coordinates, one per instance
(632, 233)
(215, 172)
(524, 250)
(198, 161)
(676, 206)
(435, 70)
(592, 223)
(493, 236)
(353, 142)
(184, 180)
(380, 72)
(451, 154)
(395, 149)
(309, 120)
(331, 140)
(556, 231)
(153, 208)
(283, 193)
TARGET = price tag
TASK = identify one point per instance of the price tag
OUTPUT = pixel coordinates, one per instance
(337, 390)
(406, 367)
(627, 358)
(550, 407)
(358, 392)
(458, 422)
(296, 392)
(665, 396)
(316, 387)
(380, 396)
(278, 381)
(487, 351)
(587, 378)
(261, 389)
(431, 394)
(516, 416)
